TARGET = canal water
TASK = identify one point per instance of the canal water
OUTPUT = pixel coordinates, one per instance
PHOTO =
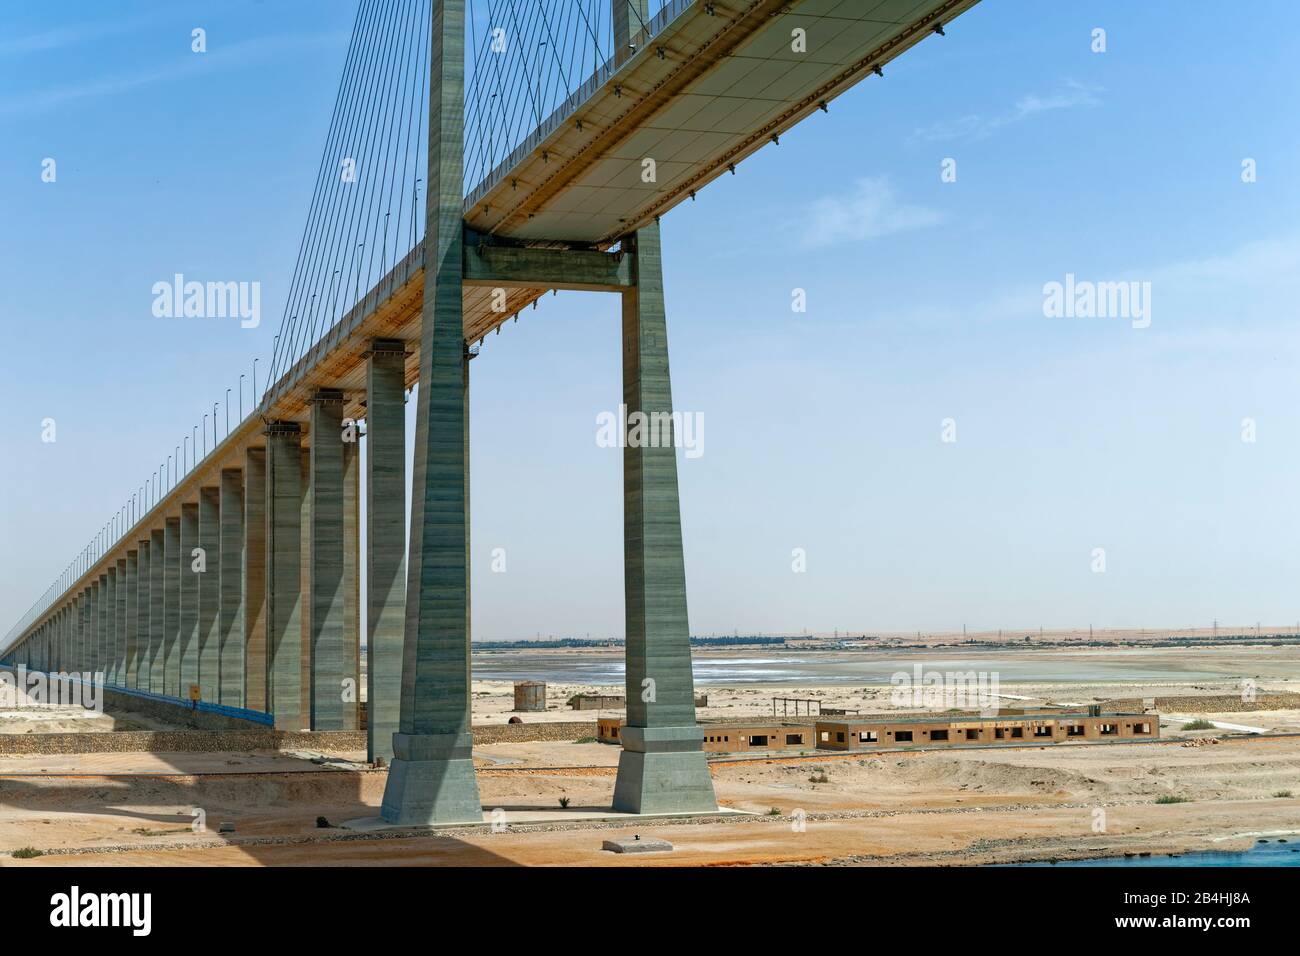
(1274, 851)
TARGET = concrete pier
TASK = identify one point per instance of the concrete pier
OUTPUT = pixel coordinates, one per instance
(255, 551)
(352, 578)
(386, 545)
(165, 664)
(230, 616)
(108, 661)
(151, 608)
(326, 556)
(183, 665)
(431, 779)
(131, 646)
(98, 623)
(118, 675)
(74, 631)
(209, 587)
(284, 574)
(662, 768)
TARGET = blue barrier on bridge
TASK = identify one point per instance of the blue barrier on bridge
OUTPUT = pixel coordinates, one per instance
(202, 707)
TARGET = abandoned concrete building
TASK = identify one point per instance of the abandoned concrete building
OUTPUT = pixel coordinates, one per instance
(732, 737)
(879, 731)
(1006, 727)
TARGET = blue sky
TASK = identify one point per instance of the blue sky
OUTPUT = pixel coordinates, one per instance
(822, 429)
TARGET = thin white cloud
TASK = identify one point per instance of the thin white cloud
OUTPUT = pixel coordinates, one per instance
(1242, 300)
(1071, 95)
(871, 210)
(243, 53)
(57, 39)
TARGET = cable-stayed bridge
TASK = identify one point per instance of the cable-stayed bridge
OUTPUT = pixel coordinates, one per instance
(480, 154)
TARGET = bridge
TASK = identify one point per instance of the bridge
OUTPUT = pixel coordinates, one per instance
(558, 133)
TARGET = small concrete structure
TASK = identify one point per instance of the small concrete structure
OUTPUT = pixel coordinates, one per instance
(636, 845)
(597, 701)
(530, 696)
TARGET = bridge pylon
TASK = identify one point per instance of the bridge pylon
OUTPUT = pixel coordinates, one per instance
(431, 778)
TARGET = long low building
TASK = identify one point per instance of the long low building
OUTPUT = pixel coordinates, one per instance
(732, 737)
(927, 730)
(881, 731)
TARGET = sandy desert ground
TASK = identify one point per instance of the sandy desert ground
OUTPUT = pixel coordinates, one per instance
(958, 807)
(951, 807)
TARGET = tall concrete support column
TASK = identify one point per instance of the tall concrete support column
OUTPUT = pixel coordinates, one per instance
(255, 585)
(87, 631)
(107, 607)
(131, 619)
(326, 556)
(119, 627)
(103, 636)
(284, 574)
(662, 768)
(432, 775)
(144, 605)
(159, 594)
(230, 616)
(208, 649)
(96, 623)
(304, 550)
(351, 575)
(108, 656)
(385, 543)
(78, 658)
(183, 656)
(77, 637)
